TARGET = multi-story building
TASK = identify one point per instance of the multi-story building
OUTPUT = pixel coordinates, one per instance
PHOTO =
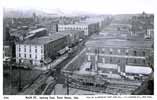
(100, 20)
(88, 28)
(119, 51)
(40, 50)
(74, 36)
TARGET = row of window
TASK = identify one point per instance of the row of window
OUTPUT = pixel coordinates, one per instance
(119, 51)
(30, 50)
(73, 28)
(30, 56)
(118, 61)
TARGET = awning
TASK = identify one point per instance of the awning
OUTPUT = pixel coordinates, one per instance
(138, 69)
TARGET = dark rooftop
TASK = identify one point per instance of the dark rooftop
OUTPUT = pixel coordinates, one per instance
(119, 43)
(45, 39)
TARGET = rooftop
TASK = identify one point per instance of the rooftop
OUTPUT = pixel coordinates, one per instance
(45, 39)
(80, 23)
(37, 30)
(69, 31)
(119, 43)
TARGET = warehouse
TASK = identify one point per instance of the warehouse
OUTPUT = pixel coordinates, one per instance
(74, 36)
(119, 51)
(39, 50)
(88, 27)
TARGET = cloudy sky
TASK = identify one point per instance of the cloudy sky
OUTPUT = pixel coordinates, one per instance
(91, 6)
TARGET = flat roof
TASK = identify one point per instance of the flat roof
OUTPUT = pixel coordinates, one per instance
(37, 30)
(119, 43)
(69, 31)
(80, 23)
(44, 39)
(138, 69)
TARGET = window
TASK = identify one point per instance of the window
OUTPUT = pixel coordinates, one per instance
(19, 49)
(25, 55)
(30, 48)
(110, 60)
(143, 53)
(111, 50)
(135, 61)
(103, 50)
(25, 49)
(127, 52)
(144, 61)
(135, 53)
(30, 56)
(35, 56)
(35, 50)
(127, 61)
(20, 61)
(96, 51)
(19, 55)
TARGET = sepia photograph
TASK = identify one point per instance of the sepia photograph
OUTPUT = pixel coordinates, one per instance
(54, 50)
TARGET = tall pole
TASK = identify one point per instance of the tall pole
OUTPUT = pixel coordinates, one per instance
(10, 78)
(19, 87)
(54, 90)
(68, 85)
(19, 80)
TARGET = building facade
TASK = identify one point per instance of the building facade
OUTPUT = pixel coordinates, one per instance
(73, 36)
(119, 52)
(40, 50)
(88, 28)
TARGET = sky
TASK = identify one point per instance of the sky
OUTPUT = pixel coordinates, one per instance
(90, 6)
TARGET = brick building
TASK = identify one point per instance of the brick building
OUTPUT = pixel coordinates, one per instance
(88, 28)
(39, 50)
(119, 51)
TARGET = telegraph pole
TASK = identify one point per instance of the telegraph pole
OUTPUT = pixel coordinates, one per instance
(10, 78)
(19, 87)
(68, 85)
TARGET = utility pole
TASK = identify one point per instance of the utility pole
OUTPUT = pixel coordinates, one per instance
(68, 85)
(10, 78)
(19, 85)
(54, 90)
(19, 78)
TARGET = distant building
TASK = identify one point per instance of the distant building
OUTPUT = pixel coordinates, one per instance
(74, 36)
(100, 20)
(40, 50)
(88, 28)
(52, 27)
